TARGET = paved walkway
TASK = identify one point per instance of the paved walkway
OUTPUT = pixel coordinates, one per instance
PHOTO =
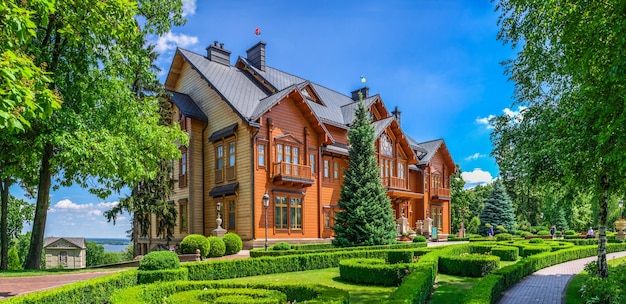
(547, 286)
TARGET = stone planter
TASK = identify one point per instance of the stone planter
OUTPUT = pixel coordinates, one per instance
(620, 225)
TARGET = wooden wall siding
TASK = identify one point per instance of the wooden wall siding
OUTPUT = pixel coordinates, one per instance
(340, 135)
(220, 115)
(195, 182)
(287, 118)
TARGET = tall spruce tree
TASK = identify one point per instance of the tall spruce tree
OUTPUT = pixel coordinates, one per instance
(498, 210)
(365, 216)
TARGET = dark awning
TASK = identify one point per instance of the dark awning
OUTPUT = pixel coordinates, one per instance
(224, 190)
(223, 133)
(187, 106)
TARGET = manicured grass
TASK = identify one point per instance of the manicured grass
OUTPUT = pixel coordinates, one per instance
(572, 293)
(327, 277)
(451, 289)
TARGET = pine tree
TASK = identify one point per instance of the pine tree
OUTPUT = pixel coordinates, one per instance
(498, 210)
(365, 216)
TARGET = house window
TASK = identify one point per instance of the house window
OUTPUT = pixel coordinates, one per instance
(436, 181)
(182, 165)
(327, 219)
(336, 170)
(230, 169)
(288, 212)
(182, 211)
(401, 170)
(230, 225)
(288, 158)
(312, 162)
(326, 169)
(279, 153)
(219, 164)
(281, 212)
(63, 258)
(261, 155)
(437, 214)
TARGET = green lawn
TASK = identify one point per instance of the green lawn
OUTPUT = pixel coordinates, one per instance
(572, 293)
(327, 277)
(451, 289)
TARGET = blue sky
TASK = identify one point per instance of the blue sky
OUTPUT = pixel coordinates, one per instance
(438, 61)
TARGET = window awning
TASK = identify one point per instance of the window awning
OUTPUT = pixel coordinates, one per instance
(223, 133)
(223, 190)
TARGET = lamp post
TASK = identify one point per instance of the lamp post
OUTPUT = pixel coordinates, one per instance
(621, 205)
(266, 203)
(462, 212)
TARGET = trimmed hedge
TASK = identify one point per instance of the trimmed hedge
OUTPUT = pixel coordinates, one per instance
(233, 243)
(217, 247)
(151, 276)
(532, 250)
(489, 289)
(193, 242)
(228, 295)
(281, 246)
(158, 260)
(155, 293)
(374, 271)
(312, 246)
(468, 265)
(96, 290)
(506, 253)
(400, 256)
(260, 252)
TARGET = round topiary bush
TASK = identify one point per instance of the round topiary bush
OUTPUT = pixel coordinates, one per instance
(281, 246)
(159, 260)
(217, 247)
(419, 239)
(504, 237)
(570, 232)
(195, 241)
(543, 232)
(233, 243)
(536, 241)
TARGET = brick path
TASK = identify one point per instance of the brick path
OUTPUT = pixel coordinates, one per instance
(14, 286)
(547, 286)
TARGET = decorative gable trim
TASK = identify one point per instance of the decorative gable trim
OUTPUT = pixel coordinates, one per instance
(288, 138)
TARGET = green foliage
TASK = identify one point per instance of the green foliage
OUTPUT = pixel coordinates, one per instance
(472, 227)
(543, 232)
(228, 295)
(400, 256)
(365, 216)
(498, 210)
(96, 290)
(504, 237)
(128, 253)
(151, 276)
(532, 250)
(506, 253)
(13, 259)
(468, 265)
(536, 241)
(159, 260)
(281, 246)
(95, 254)
(261, 252)
(374, 271)
(233, 243)
(570, 232)
(192, 242)
(217, 248)
(419, 239)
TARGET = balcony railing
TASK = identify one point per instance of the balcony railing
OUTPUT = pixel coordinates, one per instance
(289, 170)
(394, 182)
(440, 193)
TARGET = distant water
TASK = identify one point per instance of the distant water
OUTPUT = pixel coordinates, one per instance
(111, 245)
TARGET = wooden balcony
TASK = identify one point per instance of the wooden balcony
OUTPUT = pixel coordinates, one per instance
(440, 194)
(288, 173)
(394, 182)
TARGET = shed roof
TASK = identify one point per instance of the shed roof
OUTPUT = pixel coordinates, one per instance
(77, 241)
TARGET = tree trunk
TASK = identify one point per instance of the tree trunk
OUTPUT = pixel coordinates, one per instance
(33, 259)
(603, 270)
(135, 236)
(4, 196)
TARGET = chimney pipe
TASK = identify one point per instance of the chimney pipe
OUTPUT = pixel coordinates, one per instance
(396, 114)
(364, 90)
(256, 55)
(222, 46)
(218, 54)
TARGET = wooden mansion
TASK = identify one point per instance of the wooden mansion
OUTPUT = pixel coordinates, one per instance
(255, 129)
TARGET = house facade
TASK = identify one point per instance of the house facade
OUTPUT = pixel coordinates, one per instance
(257, 130)
(66, 252)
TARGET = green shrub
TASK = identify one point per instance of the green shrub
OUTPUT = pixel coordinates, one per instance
(217, 248)
(151, 276)
(399, 256)
(506, 253)
(193, 242)
(281, 246)
(373, 271)
(536, 229)
(233, 243)
(312, 246)
(468, 265)
(419, 239)
(159, 260)
(536, 241)
(570, 232)
(543, 232)
(503, 237)
(525, 234)
(13, 261)
(260, 252)
(532, 250)
(228, 295)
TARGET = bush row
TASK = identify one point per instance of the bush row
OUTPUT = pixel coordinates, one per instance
(468, 265)
(489, 289)
(151, 276)
(260, 252)
(506, 253)
(374, 271)
(228, 295)
(157, 292)
(96, 290)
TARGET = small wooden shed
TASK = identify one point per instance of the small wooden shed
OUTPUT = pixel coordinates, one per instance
(68, 252)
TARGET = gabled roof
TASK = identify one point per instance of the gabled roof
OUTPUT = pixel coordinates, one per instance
(187, 106)
(348, 110)
(432, 147)
(76, 241)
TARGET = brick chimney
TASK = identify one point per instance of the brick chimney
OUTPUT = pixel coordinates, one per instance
(364, 90)
(256, 55)
(396, 114)
(218, 54)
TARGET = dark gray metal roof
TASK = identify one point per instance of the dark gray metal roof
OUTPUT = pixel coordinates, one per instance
(415, 145)
(77, 241)
(228, 189)
(381, 125)
(268, 102)
(349, 110)
(187, 106)
(223, 133)
(431, 148)
(337, 148)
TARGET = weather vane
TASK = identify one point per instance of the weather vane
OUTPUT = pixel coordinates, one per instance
(257, 32)
(363, 80)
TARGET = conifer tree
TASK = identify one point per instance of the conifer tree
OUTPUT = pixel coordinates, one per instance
(498, 210)
(365, 216)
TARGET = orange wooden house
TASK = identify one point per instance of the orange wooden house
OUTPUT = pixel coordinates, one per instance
(255, 129)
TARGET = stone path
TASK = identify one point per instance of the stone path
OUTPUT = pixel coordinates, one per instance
(547, 286)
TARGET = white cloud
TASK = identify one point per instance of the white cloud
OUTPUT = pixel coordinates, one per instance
(485, 121)
(94, 212)
(476, 177)
(170, 41)
(69, 205)
(189, 7)
(474, 156)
